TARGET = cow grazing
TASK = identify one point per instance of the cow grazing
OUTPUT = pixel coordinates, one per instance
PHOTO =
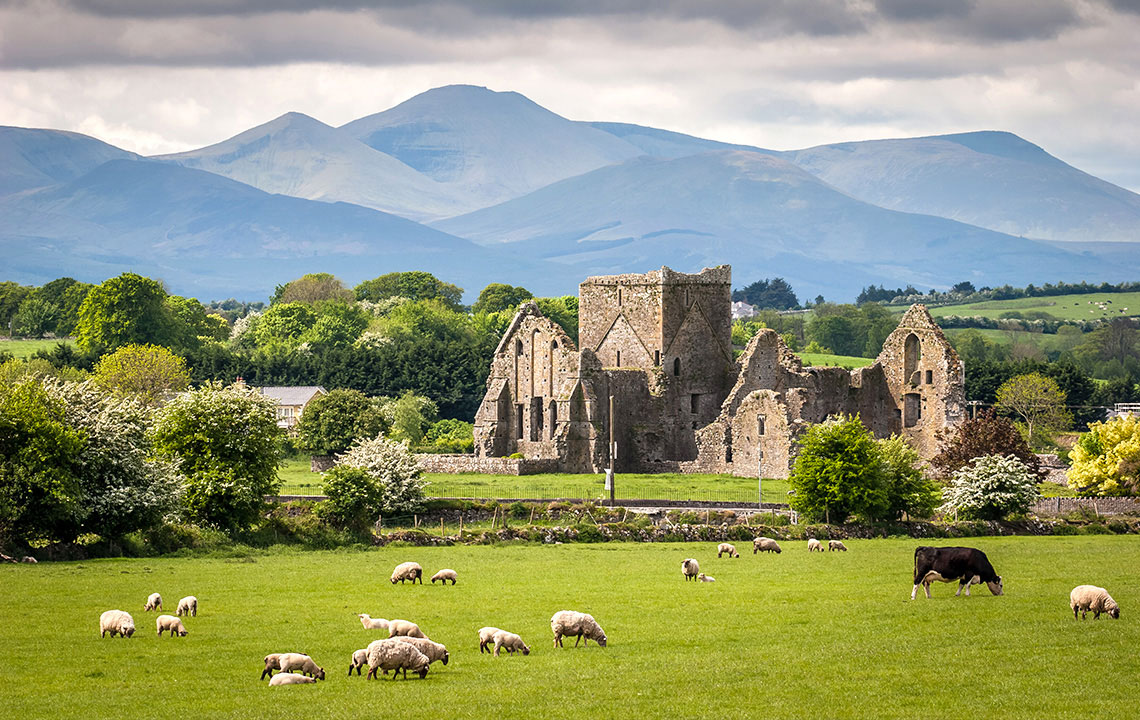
(946, 564)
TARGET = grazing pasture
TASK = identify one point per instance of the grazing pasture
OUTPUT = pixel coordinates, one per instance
(796, 635)
(24, 349)
(1061, 307)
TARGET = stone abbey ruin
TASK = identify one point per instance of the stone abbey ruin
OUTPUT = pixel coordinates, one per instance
(657, 348)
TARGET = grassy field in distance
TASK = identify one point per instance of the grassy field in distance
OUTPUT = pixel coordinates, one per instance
(1061, 307)
(24, 349)
(795, 635)
(825, 360)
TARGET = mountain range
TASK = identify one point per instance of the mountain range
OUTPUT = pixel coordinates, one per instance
(479, 186)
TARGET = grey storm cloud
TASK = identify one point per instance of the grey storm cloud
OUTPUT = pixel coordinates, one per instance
(64, 33)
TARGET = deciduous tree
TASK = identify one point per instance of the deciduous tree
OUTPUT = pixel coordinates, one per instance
(332, 422)
(1037, 400)
(990, 488)
(1106, 459)
(148, 372)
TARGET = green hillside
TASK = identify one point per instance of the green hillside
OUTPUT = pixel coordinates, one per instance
(1094, 306)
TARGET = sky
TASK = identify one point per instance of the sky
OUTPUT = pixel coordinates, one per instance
(158, 76)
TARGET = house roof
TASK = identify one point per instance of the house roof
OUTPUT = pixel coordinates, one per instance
(292, 395)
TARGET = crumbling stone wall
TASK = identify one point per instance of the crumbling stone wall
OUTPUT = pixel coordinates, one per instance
(659, 345)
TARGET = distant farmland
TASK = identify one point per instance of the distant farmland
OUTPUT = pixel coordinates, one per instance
(1061, 307)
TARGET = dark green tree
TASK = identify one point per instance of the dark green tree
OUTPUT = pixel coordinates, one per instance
(332, 422)
(775, 294)
(124, 310)
(414, 285)
(838, 473)
(499, 296)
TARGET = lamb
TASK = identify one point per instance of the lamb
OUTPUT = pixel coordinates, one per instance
(408, 571)
(1090, 597)
(371, 623)
(116, 622)
(404, 627)
(290, 679)
(435, 652)
(273, 662)
(443, 576)
(706, 578)
(813, 546)
(359, 660)
(512, 642)
(836, 545)
(727, 548)
(29, 559)
(486, 637)
(171, 623)
(288, 662)
(690, 568)
(565, 623)
(188, 606)
(153, 602)
(765, 544)
(395, 655)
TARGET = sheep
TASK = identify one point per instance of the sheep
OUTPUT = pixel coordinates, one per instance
(706, 578)
(359, 660)
(727, 548)
(813, 546)
(765, 544)
(435, 652)
(371, 623)
(486, 636)
(29, 559)
(188, 606)
(569, 622)
(290, 679)
(273, 662)
(836, 545)
(404, 627)
(690, 568)
(512, 642)
(443, 576)
(408, 571)
(153, 602)
(116, 622)
(395, 655)
(1090, 597)
(171, 623)
(288, 662)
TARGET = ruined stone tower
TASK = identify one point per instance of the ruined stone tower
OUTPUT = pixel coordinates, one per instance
(658, 346)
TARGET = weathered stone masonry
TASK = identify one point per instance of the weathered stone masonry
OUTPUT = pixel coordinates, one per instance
(660, 345)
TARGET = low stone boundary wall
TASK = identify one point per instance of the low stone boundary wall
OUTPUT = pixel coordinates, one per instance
(484, 465)
(1099, 505)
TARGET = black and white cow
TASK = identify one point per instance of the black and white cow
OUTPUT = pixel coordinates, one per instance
(946, 564)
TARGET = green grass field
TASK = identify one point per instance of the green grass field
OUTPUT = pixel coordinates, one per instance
(830, 635)
(1062, 307)
(24, 349)
(298, 480)
(825, 360)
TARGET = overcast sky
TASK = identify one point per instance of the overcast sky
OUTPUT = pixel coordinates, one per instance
(159, 76)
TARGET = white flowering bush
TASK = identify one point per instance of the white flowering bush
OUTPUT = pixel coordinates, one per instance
(991, 487)
(224, 441)
(244, 325)
(394, 469)
(122, 487)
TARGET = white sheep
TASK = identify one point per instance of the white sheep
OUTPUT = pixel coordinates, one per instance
(1084, 598)
(395, 655)
(727, 548)
(486, 637)
(116, 622)
(836, 545)
(273, 662)
(171, 623)
(690, 568)
(443, 576)
(706, 578)
(813, 545)
(29, 560)
(371, 623)
(435, 652)
(289, 662)
(153, 602)
(290, 679)
(404, 627)
(565, 623)
(188, 606)
(408, 571)
(765, 544)
(512, 642)
(359, 660)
